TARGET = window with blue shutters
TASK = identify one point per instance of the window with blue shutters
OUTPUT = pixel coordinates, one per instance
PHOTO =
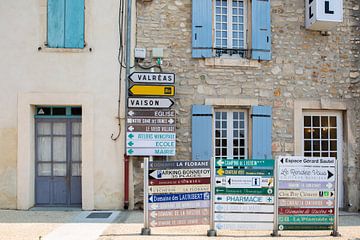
(65, 23)
(231, 134)
(220, 28)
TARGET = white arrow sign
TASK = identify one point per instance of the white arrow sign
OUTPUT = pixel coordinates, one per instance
(137, 102)
(180, 173)
(307, 174)
(152, 77)
(131, 128)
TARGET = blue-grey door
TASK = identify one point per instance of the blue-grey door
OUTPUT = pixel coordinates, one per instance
(58, 161)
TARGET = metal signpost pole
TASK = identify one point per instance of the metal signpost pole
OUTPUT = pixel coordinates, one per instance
(212, 231)
(275, 232)
(146, 230)
(335, 232)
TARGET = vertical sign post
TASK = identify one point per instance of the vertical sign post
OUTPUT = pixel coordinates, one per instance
(307, 194)
(176, 193)
(244, 195)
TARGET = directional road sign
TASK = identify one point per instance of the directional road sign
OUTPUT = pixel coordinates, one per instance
(243, 199)
(152, 120)
(244, 172)
(248, 217)
(306, 194)
(250, 208)
(179, 181)
(150, 136)
(147, 102)
(150, 128)
(152, 77)
(307, 185)
(179, 214)
(299, 161)
(311, 219)
(179, 205)
(305, 211)
(180, 222)
(152, 90)
(166, 189)
(150, 144)
(178, 164)
(134, 113)
(244, 226)
(180, 173)
(244, 181)
(179, 197)
(305, 203)
(307, 174)
(254, 191)
(305, 227)
(150, 152)
(244, 163)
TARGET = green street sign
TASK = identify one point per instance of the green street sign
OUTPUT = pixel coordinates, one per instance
(256, 191)
(307, 219)
(268, 163)
(283, 227)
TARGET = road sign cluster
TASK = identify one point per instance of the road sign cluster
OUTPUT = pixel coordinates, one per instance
(178, 193)
(244, 194)
(306, 195)
(151, 124)
(296, 193)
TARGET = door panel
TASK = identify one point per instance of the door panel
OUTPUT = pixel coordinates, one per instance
(58, 161)
(323, 137)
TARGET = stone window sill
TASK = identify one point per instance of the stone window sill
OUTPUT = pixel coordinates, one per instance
(232, 62)
(44, 48)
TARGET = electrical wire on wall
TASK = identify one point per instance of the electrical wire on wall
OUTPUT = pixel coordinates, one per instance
(121, 59)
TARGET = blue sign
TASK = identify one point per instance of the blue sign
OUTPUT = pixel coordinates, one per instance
(179, 197)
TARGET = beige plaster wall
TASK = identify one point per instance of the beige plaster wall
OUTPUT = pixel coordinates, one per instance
(27, 70)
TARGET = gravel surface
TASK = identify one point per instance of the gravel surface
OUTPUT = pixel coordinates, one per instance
(30, 225)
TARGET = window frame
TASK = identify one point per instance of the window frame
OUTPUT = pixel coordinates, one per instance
(243, 53)
(43, 22)
(229, 134)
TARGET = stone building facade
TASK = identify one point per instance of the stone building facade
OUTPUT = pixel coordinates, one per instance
(309, 71)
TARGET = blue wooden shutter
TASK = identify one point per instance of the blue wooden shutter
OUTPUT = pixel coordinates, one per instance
(261, 132)
(55, 23)
(261, 30)
(202, 132)
(201, 28)
(74, 24)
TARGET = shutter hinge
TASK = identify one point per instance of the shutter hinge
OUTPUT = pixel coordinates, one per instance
(260, 115)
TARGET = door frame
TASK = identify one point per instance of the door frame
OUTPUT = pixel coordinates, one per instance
(68, 120)
(26, 146)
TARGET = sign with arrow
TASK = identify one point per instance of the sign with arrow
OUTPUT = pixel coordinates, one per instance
(245, 163)
(306, 194)
(179, 205)
(135, 113)
(305, 211)
(307, 174)
(166, 189)
(152, 77)
(146, 102)
(150, 144)
(156, 198)
(180, 173)
(152, 90)
(299, 161)
(305, 203)
(307, 185)
(245, 182)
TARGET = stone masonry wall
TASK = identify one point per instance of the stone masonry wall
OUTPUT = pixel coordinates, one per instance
(305, 65)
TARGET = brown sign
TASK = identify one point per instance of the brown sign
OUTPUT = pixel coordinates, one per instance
(179, 181)
(150, 128)
(180, 222)
(152, 120)
(307, 211)
(179, 214)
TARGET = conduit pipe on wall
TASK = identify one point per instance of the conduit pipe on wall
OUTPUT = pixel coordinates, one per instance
(127, 73)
